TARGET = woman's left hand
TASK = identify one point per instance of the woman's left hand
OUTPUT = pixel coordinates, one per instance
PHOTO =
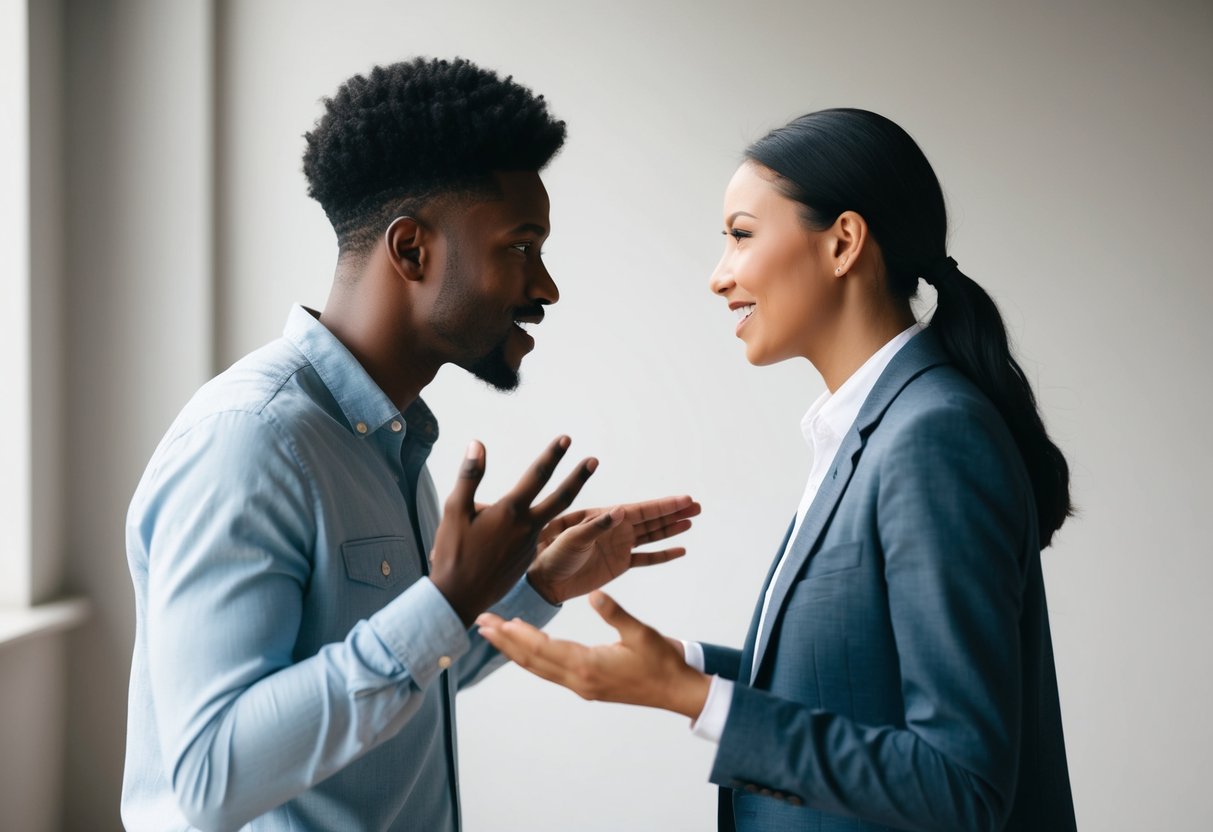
(642, 668)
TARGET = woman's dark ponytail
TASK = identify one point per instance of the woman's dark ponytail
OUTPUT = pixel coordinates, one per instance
(971, 330)
(840, 160)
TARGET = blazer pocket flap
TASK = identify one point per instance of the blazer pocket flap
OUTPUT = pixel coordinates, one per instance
(835, 559)
(379, 561)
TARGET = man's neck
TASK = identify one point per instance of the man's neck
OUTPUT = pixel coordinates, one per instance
(370, 327)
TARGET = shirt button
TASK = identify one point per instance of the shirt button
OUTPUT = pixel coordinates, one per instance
(360, 427)
(385, 568)
(396, 426)
(444, 662)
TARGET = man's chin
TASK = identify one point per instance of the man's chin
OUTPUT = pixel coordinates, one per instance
(495, 370)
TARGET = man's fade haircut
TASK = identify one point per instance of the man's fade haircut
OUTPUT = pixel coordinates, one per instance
(414, 130)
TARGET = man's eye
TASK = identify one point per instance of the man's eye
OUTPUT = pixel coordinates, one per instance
(526, 248)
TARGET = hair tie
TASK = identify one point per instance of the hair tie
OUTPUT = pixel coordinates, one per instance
(940, 271)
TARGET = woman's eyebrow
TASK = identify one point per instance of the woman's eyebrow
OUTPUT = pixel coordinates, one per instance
(733, 216)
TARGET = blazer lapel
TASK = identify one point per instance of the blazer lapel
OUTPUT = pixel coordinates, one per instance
(920, 353)
(822, 508)
(747, 652)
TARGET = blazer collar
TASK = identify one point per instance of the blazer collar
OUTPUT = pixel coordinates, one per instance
(921, 353)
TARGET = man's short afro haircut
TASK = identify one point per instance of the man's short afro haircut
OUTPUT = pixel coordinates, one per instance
(417, 129)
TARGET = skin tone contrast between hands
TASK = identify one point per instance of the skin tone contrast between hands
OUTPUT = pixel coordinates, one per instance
(563, 556)
(462, 284)
(798, 293)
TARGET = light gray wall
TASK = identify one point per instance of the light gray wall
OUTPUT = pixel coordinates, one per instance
(1072, 146)
(139, 325)
(33, 671)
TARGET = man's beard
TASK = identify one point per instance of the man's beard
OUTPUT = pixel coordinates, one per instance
(457, 320)
(495, 370)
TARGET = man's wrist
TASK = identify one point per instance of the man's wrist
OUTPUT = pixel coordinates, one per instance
(535, 578)
(460, 604)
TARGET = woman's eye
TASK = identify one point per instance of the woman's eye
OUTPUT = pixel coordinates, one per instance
(737, 234)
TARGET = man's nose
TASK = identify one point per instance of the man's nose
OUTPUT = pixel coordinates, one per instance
(543, 288)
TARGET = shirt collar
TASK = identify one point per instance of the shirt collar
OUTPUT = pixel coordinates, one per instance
(836, 413)
(365, 406)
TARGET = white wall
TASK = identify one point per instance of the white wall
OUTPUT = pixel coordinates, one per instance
(1072, 145)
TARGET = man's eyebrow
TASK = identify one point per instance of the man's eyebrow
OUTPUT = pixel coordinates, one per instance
(530, 228)
(733, 217)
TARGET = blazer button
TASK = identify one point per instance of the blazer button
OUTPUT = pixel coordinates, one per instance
(794, 800)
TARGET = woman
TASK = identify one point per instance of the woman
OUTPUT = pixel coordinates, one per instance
(898, 672)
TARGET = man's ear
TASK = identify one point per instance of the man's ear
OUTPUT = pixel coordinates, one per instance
(405, 241)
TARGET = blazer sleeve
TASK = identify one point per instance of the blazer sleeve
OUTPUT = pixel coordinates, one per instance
(721, 661)
(953, 516)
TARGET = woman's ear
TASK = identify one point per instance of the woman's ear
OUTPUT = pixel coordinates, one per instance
(846, 240)
(405, 241)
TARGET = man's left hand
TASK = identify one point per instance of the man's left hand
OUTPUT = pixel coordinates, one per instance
(583, 550)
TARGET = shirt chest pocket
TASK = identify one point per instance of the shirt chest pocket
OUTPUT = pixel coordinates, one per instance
(386, 563)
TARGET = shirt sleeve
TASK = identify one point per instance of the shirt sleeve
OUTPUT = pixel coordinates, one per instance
(711, 720)
(692, 654)
(228, 528)
(482, 658)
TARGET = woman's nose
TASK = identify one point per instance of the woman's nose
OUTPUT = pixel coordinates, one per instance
(721, 281)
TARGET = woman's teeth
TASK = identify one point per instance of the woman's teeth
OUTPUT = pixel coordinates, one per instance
(744, 312)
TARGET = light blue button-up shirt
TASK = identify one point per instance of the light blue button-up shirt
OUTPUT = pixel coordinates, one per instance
(289, 648)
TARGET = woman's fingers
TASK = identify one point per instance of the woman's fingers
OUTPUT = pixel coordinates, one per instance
(531, 649)
(629, 628)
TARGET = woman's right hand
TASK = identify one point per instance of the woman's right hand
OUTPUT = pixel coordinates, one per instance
(642, 668)
(480, 552)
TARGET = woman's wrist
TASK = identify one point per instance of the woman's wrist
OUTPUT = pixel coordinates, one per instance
(689, 693)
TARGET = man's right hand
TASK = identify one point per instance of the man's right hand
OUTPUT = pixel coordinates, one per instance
(481, 552)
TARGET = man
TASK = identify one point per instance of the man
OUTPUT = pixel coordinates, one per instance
(296, 656)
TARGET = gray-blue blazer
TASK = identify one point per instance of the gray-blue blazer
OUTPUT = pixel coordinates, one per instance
(905, 675)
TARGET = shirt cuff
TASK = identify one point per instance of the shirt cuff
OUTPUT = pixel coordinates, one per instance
(522, 601)
(422, 631)
(692, 653)
(715, 713)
